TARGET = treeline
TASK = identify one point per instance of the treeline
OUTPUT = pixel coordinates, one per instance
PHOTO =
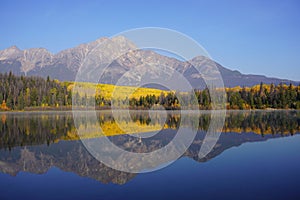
(264, 96)
(261, 96)
(19, 93)
(170, 100)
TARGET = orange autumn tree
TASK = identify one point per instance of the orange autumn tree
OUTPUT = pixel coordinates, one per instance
(3, 106)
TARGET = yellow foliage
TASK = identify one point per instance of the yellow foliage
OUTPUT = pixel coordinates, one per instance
(108, 91)
(256, 88)
(110, 129)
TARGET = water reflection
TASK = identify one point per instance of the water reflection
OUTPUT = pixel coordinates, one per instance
(34, 142)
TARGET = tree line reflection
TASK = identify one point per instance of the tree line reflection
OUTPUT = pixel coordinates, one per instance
(40, 128)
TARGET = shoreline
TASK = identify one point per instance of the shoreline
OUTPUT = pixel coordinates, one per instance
(70, 110)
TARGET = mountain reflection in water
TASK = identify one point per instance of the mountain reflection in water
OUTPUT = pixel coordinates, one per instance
(35, 142)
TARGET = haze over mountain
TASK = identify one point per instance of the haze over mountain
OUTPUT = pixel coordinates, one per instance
(65, 64)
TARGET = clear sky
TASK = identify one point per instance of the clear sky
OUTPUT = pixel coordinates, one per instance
(252, 36)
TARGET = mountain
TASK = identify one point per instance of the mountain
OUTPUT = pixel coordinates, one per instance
(65, 64)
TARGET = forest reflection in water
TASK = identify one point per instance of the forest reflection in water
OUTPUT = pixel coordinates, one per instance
(21, 129)
(36, 141)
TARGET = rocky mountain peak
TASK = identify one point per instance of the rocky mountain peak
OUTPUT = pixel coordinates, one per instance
(35, 57)
(122, 55)
(12, 52)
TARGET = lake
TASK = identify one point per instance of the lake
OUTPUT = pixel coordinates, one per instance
(256, 156)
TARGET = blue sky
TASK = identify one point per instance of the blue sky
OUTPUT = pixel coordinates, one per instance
(259, 37)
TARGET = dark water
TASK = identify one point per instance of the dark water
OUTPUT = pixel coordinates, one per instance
(256, 157)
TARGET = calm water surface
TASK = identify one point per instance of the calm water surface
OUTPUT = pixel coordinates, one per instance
(256, 157)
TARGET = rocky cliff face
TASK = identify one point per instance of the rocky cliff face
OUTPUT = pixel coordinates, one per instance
(65, 64)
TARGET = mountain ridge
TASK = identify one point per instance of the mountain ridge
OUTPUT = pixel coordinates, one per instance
(65, 64)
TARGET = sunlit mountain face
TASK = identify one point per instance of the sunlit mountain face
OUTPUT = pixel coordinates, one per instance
(65, 64)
